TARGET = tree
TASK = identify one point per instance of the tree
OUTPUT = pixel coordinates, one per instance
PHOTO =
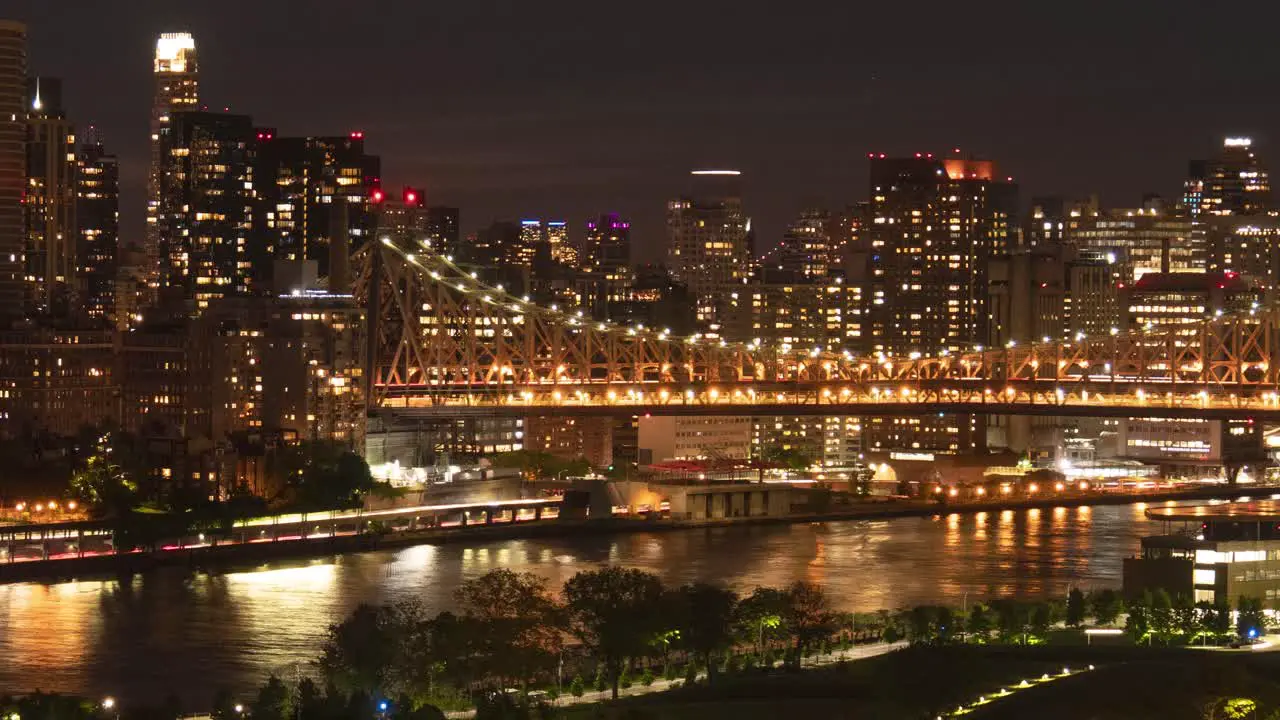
(613, 611)
(577, 688)
(1251, 621)
(807, 617)
(366, 652)
(759, 616)
(516, 621)
(921, 622)
(1106, 606)
(979, 622)
(1162, 620)
(1041, 619)
(1215, 618)
(272, 702)
(1138, 624)
(705, 615)
(1186, 618)
(104, 487)
(1075, 608)
(1012, 620)
(321, 475)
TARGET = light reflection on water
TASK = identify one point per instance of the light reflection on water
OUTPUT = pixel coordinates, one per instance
(175, 631)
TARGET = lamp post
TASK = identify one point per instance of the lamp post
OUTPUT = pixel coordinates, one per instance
(109, 704)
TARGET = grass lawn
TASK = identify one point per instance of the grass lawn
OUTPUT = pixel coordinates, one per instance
(925, 682)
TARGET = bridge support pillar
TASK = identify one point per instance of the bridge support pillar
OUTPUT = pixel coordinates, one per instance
(537, 513)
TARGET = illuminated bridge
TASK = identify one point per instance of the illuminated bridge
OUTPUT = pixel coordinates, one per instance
(444, 345)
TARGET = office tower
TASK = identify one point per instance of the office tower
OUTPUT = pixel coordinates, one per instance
(442, 229)
(1233, 183)
(13, 132)
(533, 240)
(206, 206)
(934, 226)
(50, 205)
(1147, 239)
(606, 263)
(563, 251)
(98, 229)
(177, 89)
(707, 237)
(806, 247)
(299, 181)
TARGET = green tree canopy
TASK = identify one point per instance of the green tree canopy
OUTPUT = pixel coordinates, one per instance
(705, 620)
(614, 612)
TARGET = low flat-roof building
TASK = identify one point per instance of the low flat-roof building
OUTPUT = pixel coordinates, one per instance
(1211, 553)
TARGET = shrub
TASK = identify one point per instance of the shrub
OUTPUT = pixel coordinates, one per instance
(690, 674)
(733, 664)
(553, 693)
(770, 658)
(601, 683)
(577, 688)
(670, 672)
(646, 678)
(624, 679)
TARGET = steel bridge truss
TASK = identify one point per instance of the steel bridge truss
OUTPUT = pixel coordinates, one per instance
(441, 342)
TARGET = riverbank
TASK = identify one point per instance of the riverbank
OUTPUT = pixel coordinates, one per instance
(214, 558)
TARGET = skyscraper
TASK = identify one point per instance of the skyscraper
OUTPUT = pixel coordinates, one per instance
(206, 206)
(707, 237)
(177, 89)
(1233, 183)
(13, 114)
(562, 250)
(98, 221)
(934, 225)
(298, 182)
(606, 262)
(50, 205)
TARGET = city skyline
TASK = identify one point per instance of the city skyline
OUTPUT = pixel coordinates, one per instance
(516, 143)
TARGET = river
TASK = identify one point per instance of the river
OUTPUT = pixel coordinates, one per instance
(175, 631)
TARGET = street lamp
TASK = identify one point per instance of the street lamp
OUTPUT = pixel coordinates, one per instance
(109, 704)
(239, 709)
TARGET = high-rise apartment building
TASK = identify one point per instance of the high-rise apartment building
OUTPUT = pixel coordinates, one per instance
(98, 229)
(707, 237)
(934, 225)
(177, 89)
(806, 247)
(1232, 183)
(13, 177)
(50, 204)
(606, 262)
(442, 229)
(207, 200)
(299, 180)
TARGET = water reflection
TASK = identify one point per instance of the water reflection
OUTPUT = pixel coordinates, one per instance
(191, 633)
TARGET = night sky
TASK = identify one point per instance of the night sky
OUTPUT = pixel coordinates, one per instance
(510, 109)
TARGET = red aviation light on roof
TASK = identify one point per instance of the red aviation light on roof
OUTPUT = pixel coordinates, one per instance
(376, 196)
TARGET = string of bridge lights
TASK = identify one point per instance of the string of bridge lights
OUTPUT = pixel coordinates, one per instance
(468, 282)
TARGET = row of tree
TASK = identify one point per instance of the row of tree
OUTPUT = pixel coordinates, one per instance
(509, 631)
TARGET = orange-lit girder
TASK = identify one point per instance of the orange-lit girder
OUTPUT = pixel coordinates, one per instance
(444, 340)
